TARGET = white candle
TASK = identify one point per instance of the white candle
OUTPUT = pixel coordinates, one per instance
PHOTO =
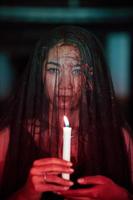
(66, 144)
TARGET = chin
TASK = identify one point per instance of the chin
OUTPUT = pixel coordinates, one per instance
(67, 107)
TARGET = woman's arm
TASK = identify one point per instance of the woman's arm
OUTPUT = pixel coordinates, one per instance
(129, 147)
(4, 141)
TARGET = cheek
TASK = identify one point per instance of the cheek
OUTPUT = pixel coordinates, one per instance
(77, 86)
(50, 86)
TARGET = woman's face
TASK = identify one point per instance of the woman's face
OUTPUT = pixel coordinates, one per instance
(63, 76)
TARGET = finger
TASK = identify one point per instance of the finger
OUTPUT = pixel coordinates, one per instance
(87, 192)
(50, 187)
(58, 180)
(100, 180)
(80, 198)
(50, 180)
(50, 168)
(37, 179)
(46, 161)
(54, 173)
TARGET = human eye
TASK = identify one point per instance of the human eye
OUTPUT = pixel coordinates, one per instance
(76, 70)
(53, 69)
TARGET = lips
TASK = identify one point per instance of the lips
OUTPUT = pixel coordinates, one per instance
(65, 93)
(65, 98)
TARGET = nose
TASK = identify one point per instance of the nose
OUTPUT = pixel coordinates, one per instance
(65, 80)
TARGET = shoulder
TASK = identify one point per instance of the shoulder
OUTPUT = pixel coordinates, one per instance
(4, 135)
(4, 141)
(128, 138)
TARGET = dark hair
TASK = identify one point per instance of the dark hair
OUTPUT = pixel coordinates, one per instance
(101, 143)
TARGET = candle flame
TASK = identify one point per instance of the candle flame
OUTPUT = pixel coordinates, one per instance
(66, 121)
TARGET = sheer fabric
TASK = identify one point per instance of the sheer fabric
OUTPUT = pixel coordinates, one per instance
(82, 90)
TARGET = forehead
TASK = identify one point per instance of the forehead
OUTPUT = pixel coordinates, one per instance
(64, 50)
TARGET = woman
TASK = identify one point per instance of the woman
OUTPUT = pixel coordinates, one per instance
(67, 76)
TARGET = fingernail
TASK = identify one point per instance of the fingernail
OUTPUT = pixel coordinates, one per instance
(70, 183)
(66, 188)
(69, 164)
(81, 180)
(58, 193)
(71, 170)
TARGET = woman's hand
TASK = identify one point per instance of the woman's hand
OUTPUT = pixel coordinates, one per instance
(44, 177)
(102, 188)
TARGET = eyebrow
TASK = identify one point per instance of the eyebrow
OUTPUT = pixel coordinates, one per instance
(78, 65)
(58, 65)
(53, 63)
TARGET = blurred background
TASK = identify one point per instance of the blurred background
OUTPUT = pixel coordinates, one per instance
(23, 22)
